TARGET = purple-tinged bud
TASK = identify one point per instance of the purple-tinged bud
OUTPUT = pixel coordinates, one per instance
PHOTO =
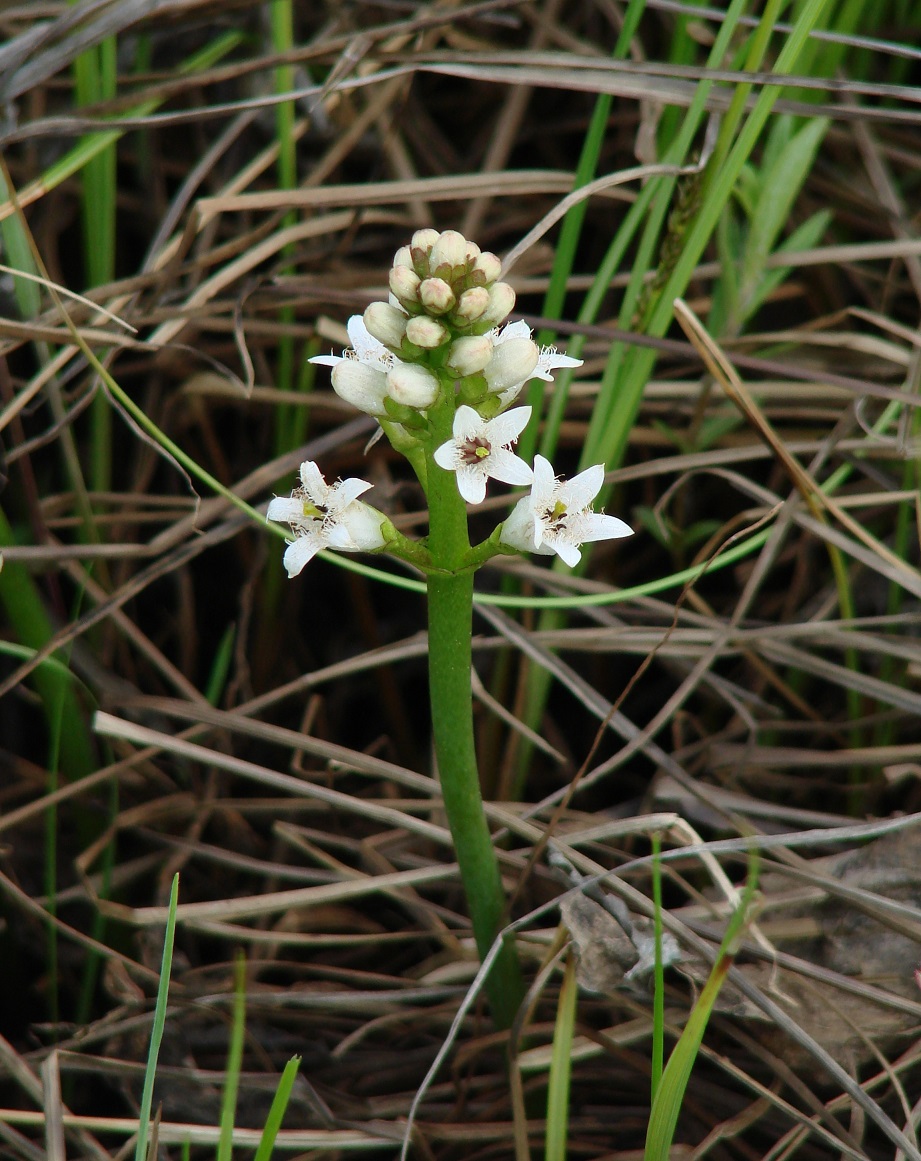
(362, 386)
(470, 355)
(413, 386)
(427, 332)
(472, 304)
(436, 296)
(501, 303)
(385, 323)
(511, 364)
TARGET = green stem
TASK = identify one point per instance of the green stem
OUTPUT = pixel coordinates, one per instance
(450, 616)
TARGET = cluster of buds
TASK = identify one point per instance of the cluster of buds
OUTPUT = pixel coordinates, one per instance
(438, 342)
(444, 278)
(446, 305)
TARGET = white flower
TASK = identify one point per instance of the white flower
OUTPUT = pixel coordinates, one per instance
(516, 337)
(557, 515)
(480, 449)
(363, 386)
(325, 515)
(365, 348)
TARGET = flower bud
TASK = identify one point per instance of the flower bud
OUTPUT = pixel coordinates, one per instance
(489, 266)
(436, 296)
(471, 304)
(470, 355)
(360, 528)
(404, 283)
(511, 364)
(385, 323)
(427, 332)
(412, 386)
(450, 250)
(501, 303)
(403, 257)
(424, 240)
(473, 251)
(362, 386)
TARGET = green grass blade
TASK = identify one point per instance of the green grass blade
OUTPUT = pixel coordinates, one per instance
(561, 1066)
(615, 415)
(159, 1022)
(663, 1118)
(220, 667)
(234, 1061)
(565, 251)
(277, 1111)
(658, 995)
(25, 612)
(95, 81)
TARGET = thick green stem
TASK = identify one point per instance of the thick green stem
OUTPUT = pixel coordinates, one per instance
(450, 612)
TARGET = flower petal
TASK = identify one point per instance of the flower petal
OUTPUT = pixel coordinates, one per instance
(600, 526)
(348, 490)
(504, 465)
(471, 482)
(447, 456)
(285, 509)
(313, 482)
(579, 492)
(567, 552)
(518, 529)
(300, 553)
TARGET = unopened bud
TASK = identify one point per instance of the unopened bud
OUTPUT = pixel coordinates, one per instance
(473, 250)
(403, 257)
(427, 332)
(419, 246)
(511, 364)
(404, 283)
(489, 266)
(436, 296)
(362, 386)
(385, 323)
(472, 304)
(501, 303)
(413, 386)
(470, 355)
(450, 250)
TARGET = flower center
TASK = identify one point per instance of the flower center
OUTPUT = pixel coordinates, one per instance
(557, 517)
(475, 450)
(313, 511)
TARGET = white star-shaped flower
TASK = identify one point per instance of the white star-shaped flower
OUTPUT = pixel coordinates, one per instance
(481, 448)
(557, 515)
(365, 348)
(360, 373)
(549, 359)
(325, 515)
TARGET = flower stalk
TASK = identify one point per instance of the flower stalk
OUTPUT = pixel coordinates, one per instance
(440, 376)
(450, 627)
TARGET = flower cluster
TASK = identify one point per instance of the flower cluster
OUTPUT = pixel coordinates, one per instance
(432, 361)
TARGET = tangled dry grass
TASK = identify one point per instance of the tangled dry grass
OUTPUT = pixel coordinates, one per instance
(269, 741)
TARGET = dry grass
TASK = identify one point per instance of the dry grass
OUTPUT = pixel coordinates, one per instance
(296, 801)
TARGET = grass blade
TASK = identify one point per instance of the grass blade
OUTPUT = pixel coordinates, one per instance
(159, 1022)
